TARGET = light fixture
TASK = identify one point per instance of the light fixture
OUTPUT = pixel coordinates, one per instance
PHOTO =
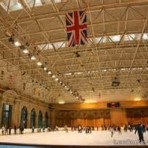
(53, 76)
(60, 82)
(137, 99)
(56, 79)
(61, 102)
(115, 82)
(33, 58)
(17, 43)
(25, 51)
(11, 39)
(45, 68)
(67, 88)
(39, 63)
(22, 47)
(49, 72)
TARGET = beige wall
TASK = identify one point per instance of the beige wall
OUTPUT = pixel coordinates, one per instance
(17, 105)
(118, 117)
(86, 114)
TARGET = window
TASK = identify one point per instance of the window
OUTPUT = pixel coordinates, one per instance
(46, 120)
(33, 118)
(40, 118)
(12, 6)
(6, 115)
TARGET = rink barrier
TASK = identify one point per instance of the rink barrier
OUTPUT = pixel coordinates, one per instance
(16, 145)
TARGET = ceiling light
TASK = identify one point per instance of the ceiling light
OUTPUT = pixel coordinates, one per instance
(39, 63)
(56, 79)
(68, 74)
(53, 76)
(45, 68)
(137, 99)
(17, 43)
(49, 72)
(89, 101)
(61, 102)
(33, 58)
(25, 51)
(66, 87)
(115, 82)
(104, 70)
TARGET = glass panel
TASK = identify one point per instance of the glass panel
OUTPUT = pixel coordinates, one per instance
(33, 117)
(46, 120)
(6, 115)
(6, 107)
(12, 6)
(40, 120)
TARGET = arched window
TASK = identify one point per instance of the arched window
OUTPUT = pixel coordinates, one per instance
(33, 118)
(6, 115)
(46, 120)
(24, 114)
(40, 119)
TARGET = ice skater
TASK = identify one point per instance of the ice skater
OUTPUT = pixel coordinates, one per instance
(140, 131)
(66, 128)
(112, 131)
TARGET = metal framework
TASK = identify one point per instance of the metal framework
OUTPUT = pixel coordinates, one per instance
(117, 47)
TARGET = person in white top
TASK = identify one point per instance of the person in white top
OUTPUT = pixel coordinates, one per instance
(3, 129)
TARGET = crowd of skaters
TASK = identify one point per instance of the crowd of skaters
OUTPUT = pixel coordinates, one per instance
(7, 131)
(137, 128)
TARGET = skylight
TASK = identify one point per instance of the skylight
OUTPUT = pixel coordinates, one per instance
(145, 36)
(15, 5)
(129, 37)
(59, 45)
(115, 38)
(48, 46)
(45, 46)
(12, 6)
(96, 40)
(35, 2)
(105, 70)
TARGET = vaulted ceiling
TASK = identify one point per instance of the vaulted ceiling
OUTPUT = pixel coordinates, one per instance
(34, 31)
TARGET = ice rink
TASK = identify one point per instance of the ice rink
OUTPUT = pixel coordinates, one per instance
(74, 138)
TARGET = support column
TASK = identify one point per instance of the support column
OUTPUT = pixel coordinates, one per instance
(16, 114)
(52, 118)
(1, 109)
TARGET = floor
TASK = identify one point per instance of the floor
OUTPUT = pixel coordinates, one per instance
(74, 138)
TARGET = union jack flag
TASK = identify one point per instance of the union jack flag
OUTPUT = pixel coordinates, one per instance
(76, 28)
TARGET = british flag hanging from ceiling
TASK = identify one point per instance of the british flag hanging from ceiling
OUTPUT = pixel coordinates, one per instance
(76, 28)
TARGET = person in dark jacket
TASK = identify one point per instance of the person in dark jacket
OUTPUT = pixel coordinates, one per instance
(140, 131)
(15, 128)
